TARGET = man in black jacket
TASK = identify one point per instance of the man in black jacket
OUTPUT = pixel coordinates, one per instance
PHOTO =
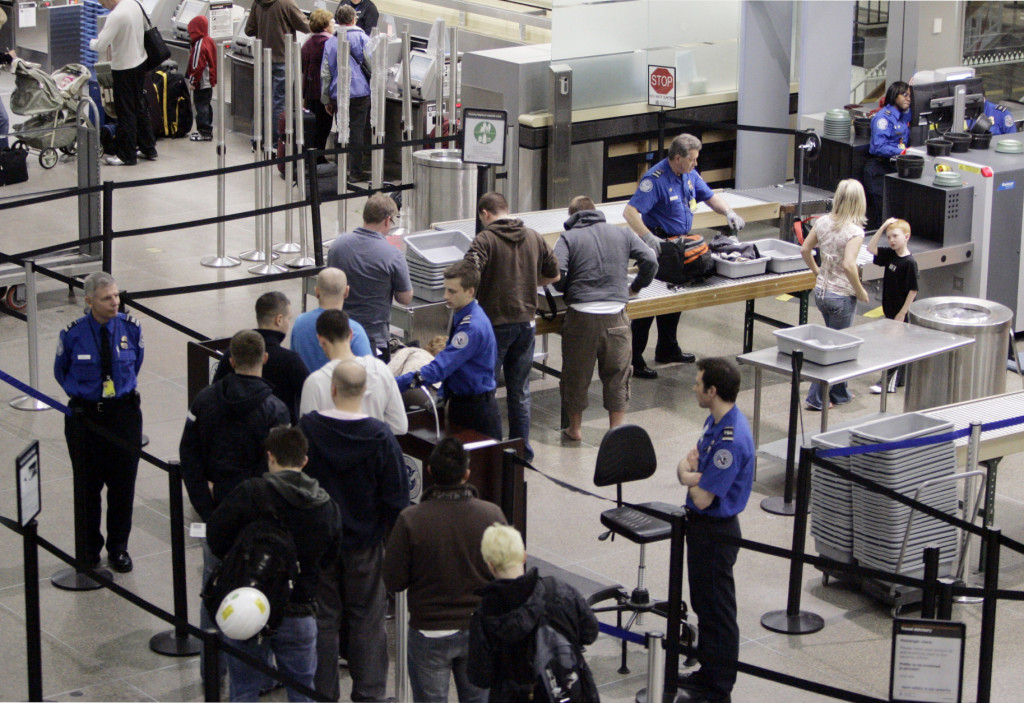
(307, 511)
(285, 370)
(359, 463)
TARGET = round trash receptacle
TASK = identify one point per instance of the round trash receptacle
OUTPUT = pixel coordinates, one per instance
(981, 366)
(445, 187)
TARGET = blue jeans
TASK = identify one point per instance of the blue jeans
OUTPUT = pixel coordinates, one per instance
(432, 662)
(277, 97)
(838, 311)
(515, 356)
(294, 648)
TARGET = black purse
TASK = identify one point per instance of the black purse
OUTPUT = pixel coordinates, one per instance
(13, 166)
(156, 50)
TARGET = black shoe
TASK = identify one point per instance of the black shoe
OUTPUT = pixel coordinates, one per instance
(120, 562)
(700, 694)
(358, 176)
(92, 561)
(644, 371)
(148, 155)
(676, 356)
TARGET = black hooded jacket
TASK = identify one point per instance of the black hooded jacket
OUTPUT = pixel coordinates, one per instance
(223, 438)
(500, 632)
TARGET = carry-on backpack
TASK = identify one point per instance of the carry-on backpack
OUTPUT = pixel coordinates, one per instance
(685, 260)
(170, 107)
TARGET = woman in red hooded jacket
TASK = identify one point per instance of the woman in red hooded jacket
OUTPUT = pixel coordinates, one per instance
(202, 76)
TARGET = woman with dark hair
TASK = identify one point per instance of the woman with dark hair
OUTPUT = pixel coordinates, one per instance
(321, 24)
(890, 132)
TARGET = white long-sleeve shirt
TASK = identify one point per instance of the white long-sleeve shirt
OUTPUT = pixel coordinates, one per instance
(382, 399)
(122, 34)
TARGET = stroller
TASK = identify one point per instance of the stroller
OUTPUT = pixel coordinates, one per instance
(50, 101)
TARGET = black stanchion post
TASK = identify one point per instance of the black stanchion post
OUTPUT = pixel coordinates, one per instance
(785, 505)
(211, 665)
(71, 579)
(508, 485)
(792, 620)
(988, 615)
(108, 225)
(930, 591)
(33, 637)
(314, 207)
(176, 642)
(674, 617)
(945, 607)
(661, 133)
(481, 188)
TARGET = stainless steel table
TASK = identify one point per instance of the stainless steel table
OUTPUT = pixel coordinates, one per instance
(887, 344)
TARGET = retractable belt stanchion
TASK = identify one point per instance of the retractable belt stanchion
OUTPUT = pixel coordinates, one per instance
(221, 260)
(453, 80)
(211, 664)
(988, 615)
(256, 253)
(785, 505)
(33, 637)
(303, 259)
(409, 196)
(27, 402)
(341, 119)
(176, 642)
(792, 620)
(402, 692)
(378, 101)
(292, 108)
(268, 266)
(930, 591)
(655, 691)
(972, 501)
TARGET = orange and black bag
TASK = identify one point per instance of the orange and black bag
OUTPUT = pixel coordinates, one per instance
(685, 260)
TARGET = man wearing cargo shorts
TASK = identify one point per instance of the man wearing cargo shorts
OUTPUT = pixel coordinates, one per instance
(593, 258)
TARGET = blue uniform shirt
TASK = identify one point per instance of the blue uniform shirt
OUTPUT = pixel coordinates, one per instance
(1002, 119)
(890, 131)
(726, 464)
(466, 365)
(667, 201)
(77, 366)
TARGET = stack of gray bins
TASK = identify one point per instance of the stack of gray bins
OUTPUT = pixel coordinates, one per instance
(880, 523)
(428, 255)
(832, 502)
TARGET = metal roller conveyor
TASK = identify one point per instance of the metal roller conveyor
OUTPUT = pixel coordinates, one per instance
(994, 443)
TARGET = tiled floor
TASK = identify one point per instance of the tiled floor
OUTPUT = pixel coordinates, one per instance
(95, 644)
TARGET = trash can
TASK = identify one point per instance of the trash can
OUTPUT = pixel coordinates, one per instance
(981, 366)
(445, 187)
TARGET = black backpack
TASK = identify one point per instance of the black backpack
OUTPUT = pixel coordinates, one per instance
(170, 107)
(560, 667)
(685, 260)
(264, 557)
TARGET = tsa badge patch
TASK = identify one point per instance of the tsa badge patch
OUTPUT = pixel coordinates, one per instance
(646, 185)
(882, 123)
(722, 459)
(1008, 120)
(460, 340)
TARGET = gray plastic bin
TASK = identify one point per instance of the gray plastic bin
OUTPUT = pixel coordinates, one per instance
(819, 344)
(783, 257)
(739, 269)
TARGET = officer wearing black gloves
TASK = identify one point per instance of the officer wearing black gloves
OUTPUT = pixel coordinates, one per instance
(466, 365)
(98, 358)
(662, 208)
(718, 474)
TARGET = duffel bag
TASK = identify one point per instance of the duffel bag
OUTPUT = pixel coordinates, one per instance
(685, 260)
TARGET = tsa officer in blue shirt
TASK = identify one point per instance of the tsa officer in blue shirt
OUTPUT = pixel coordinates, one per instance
(662, 208)
(466, 366)
(718, 474)
(98, 358)
(1002, 119)
(890, 133)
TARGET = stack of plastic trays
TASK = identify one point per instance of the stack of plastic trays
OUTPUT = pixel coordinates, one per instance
(428, 255)
(880, 523)
(832, 502)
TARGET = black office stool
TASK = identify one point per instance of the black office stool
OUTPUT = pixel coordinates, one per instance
(627, 454)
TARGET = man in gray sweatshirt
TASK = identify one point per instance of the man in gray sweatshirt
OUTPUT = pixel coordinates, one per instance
(594, 259)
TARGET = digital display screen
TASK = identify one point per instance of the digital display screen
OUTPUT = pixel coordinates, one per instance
(191, 9)
(419, 65)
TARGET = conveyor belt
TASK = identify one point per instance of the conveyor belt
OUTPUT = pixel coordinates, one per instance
(994, 443)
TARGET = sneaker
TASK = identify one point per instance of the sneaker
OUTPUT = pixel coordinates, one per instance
(199, 137)
(876, 389)
(111, 160)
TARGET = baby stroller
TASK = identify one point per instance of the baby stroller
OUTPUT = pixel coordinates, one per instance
(50, 101)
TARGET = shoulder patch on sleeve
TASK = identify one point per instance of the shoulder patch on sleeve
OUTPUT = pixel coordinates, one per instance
(722, 459)
(646, 185)
(882, 123)
(460, 340)
(1007, 119)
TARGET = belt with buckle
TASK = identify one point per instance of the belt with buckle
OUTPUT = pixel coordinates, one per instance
(105, 405)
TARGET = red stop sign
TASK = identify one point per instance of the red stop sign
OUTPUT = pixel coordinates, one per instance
(662, 81)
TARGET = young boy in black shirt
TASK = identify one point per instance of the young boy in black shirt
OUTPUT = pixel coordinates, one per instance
(899, 284)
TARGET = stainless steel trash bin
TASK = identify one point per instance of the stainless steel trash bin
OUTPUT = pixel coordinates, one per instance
(445, 187)
(981, 367)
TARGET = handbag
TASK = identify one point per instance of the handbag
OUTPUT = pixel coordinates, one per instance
(13, 166)
(156, 50)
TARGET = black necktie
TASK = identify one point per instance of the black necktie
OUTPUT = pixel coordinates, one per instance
(106, 354)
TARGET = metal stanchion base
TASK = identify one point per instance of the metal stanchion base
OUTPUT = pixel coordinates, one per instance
(966, 600)
(145, 440)
(301, 262)
(169, 644)
(253, 255)
(27, 402)
(267, 269)
(219, 262)
(803, 623)
(326, 243)
(641, 696)
(777, 505)
(287, 248)
(72, 580)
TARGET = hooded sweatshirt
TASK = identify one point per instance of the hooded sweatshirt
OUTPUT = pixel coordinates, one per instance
(511, 258)
(223, 438)
(202, 59)
(360, 465)
(272, 21)
(304, 509)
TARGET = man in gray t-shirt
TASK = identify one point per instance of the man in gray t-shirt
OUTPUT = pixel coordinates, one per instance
(376, 270)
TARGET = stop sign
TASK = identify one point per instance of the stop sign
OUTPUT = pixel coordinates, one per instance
(662, 81)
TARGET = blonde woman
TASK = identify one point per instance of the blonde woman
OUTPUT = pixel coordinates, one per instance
(838, 237)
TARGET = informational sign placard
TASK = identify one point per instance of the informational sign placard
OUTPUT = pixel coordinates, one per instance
(27, 475)
(485, 136)
(661, 86)
(220, 20)
(26, 15)
(927, 661)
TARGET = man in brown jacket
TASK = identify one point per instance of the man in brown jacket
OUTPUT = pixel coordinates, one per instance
(275, 22)
(514, 261)
(434, 553)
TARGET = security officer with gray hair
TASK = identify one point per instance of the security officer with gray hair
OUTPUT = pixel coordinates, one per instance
(662, 208)
(718, 475)
(98, 359)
